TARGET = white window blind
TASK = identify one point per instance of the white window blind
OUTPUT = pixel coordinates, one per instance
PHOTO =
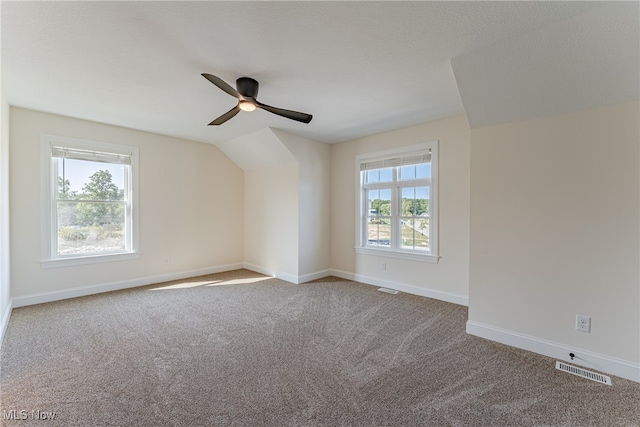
(393, 161)
(93, 156)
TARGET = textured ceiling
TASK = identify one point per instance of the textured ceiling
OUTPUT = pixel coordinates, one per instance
(583, 62)
(358, 67)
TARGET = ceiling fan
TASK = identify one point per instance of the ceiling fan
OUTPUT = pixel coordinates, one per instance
(247, 94)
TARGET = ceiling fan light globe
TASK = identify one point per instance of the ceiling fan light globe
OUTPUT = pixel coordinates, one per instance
(247, 106)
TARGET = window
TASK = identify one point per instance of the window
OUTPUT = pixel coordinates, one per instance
(89, 211)
(397, 204)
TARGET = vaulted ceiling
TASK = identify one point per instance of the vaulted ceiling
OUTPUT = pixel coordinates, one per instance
(358, 67)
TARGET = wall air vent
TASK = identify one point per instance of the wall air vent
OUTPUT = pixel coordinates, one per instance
(593, 376)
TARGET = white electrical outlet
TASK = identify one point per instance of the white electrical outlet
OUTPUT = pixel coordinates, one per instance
(583, 323)
(383, 266)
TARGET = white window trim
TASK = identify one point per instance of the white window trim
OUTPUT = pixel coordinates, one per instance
(360, 246)
(48, 185)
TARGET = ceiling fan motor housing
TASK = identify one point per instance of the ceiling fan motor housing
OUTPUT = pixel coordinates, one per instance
(247, 87)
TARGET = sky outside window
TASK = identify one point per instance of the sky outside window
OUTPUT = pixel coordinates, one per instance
(78, 172)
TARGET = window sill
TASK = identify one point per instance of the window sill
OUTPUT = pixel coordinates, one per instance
(94, 259)
(390, 253)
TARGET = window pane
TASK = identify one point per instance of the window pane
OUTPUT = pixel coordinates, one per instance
(379, 231)
(87, 180)
(386, 175)
(90, 227)
(408, 172)
(415, 233)
(408, 201)
(418, 171)
(379, 175)
(415, 201)
(423, 170)
(379, 202)
(372, 175)
(422, 201)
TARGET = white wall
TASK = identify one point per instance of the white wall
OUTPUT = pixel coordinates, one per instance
(271, 220)
(5, 292)
(286, 193)
(314, 204)
(555, 233)
(447, 280)
(5, 295)
(191, 208)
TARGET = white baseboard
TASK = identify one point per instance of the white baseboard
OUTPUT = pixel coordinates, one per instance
(257, 269)
(585, 358)
(291, 278)
(5, 321)
(314, 276)
(286, 277)
(44, 297)
(410, 289)
(267, 272)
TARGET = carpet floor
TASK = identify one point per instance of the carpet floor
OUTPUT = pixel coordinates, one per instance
(242, 349)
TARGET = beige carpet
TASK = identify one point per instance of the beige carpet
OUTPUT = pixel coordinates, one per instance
(240, 349)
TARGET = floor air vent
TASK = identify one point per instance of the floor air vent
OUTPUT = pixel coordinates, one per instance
(389, 291)
(593, 376)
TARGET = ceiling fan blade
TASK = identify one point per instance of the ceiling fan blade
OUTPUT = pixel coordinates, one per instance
(222, 85)
(226, 116)
(293, 115)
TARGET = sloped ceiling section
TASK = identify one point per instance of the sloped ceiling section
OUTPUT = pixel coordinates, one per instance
(586, 61)
(260, 149)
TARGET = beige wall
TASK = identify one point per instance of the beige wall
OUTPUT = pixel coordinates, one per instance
(191, 206)
(450, 277)
(271, 220)
(554, 229)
